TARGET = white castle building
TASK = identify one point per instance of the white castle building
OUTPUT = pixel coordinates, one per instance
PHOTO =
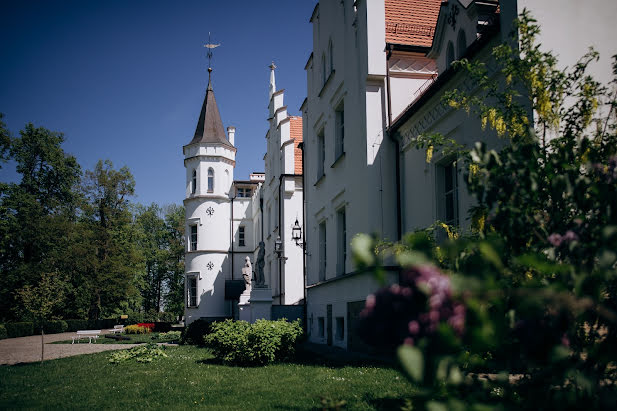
(224, 223)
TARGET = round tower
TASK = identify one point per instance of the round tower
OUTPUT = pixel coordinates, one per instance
(209, 160)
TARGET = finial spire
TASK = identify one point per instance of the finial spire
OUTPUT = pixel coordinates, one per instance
(272, 80)
(210, 46)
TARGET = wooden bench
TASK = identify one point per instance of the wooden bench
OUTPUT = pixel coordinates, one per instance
(89, 334)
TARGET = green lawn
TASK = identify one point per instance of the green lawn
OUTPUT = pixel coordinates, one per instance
(189, 377)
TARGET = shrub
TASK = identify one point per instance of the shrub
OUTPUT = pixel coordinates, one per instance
(162, 327)
(136, 329)
(21, 329)
(55, 327)
(102, 323)
(171, 336)
(238, 342)
(75, 325)
(166, 317)
(195, 332)
(144, 353)
(3, 333)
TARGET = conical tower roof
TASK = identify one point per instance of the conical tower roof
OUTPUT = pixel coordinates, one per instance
(210, 127)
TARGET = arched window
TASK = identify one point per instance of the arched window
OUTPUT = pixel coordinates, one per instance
(461, 44)
(194, 182)
(449, 55)
(210, 180)
(323, 69)
(331, 55)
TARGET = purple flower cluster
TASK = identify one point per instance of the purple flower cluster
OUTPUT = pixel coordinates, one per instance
(405, 312)
(557, 239)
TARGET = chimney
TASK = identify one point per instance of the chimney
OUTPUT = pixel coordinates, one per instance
(231, 133)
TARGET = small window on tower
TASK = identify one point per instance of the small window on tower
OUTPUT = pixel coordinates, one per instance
(191, 291)
(210, 180)
(241, 236)
(194, 182)
(193, 239)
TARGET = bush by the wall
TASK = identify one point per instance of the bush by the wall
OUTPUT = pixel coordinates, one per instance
(238, 342)
(21, 329)
(76, 325)
(162, 327)
(3, 333)
(195, 332)
(55, 327)
(102, 323)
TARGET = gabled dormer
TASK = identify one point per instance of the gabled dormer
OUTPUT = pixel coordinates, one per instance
(459, 25)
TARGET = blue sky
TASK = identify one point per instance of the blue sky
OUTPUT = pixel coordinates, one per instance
(125, 80)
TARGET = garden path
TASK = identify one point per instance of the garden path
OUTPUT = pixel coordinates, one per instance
(28, 349)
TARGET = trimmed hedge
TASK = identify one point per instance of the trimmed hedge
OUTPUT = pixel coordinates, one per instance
(3, 333)
(55, 327)
(21, 329)
(195, 332)
(76, 325)
(241, 343)
(102, 323)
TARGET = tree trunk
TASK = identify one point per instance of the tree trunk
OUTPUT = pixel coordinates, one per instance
(42, 344)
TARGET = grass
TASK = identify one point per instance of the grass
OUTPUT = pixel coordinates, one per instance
(134, 339)
(190, 377)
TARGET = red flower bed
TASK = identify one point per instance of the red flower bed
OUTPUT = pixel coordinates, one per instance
(149, 326)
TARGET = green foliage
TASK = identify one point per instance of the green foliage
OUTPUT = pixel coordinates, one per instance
(538, 273)
(76, 325)
(144, 354)
(136, 329)
(19, 329)
(39, 302)
(3, 332)
(55, 326)
(195, 332)
(170, 336)
(238, 342)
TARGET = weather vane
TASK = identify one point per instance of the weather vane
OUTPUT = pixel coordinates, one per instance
(210, 47)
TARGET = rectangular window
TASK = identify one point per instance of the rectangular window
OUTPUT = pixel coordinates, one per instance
(342, 241)
(340, 131)
(321, 154)
(321, 329)
(322, 251)
(447, 195)
(191, 288)
(241, 236)
(193, 241)
(243, 192)
(340, 328)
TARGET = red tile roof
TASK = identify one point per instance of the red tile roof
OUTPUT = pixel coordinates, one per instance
(411, 22)
(295, 133)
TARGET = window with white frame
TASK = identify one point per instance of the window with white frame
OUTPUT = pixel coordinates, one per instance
(194, 182)
(322, 251)
(321, 153)
(447, 191)
(193, 238)
(340, 130)
(191, 290)
(210, 180)
(241, 236)
(341, 224)
(244, 192)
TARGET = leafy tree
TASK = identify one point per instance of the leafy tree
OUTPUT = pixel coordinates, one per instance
(113, 275)
(35, 212)
(5, 140)
(174, 223)
(40, 301)
(528, 299)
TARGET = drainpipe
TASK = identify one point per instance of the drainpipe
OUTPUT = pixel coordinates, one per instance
(397, 159)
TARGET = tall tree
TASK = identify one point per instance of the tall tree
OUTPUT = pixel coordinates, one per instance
(115, 267)
(174, 223)
(35, 212)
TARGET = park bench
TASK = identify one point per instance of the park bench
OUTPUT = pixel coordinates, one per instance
(117, 329)
(89, 334)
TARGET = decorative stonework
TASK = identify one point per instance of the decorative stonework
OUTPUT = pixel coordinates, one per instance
(454, 11)
(210, 266)
(210, 211)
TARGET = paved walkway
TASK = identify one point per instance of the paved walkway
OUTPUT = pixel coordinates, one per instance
(28, 349)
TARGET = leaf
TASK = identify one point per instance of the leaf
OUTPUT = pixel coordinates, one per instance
(491, 255)
(412, 361)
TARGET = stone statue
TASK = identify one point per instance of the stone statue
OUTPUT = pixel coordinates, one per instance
(259, 274)
(247, 273)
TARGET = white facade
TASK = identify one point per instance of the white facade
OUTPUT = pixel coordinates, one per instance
(224, 221)
(282, 196)
(350, 186)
